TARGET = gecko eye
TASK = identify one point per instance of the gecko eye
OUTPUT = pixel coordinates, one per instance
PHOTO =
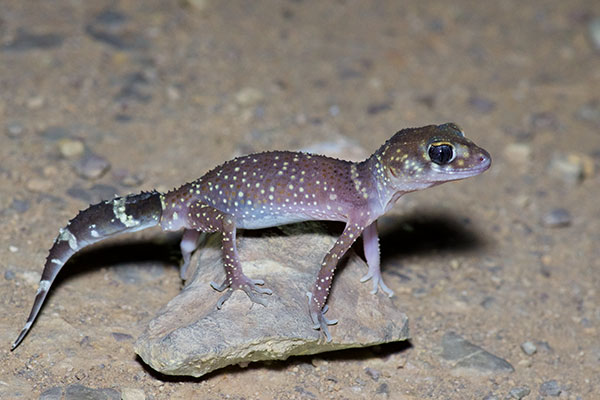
(441, 153)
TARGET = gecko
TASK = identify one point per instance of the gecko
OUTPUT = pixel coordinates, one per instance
(276, 188)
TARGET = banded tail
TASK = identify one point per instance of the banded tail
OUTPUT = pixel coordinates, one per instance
(100, 221)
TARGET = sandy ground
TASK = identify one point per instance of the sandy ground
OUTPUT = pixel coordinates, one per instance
(103, 98)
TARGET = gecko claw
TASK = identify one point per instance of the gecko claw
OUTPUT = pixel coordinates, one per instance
(249, 286)
(377, 283)
(320, 322)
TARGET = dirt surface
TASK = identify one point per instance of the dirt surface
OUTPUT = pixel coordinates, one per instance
(102, 98)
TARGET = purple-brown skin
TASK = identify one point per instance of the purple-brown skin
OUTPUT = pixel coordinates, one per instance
(276, 188)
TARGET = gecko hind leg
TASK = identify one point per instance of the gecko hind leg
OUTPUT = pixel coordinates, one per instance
(234, 276)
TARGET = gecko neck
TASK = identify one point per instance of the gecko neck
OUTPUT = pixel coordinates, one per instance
(386, 191)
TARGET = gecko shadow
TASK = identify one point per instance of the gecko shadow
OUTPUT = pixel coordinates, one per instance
(420, 233)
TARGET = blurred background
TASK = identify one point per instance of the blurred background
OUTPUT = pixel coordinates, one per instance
(114, 97)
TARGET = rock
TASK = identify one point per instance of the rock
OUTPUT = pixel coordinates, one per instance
(91, 166)
(70, 148)
(80, 392)
(519, 392)
(471, 358)
(557, 218)
(14, 129)
(132, 394)
(54, 393)
(373, 373)
(572, 168)
(29, 41)
(249, 96)
(550, 388)
(190, 336)
(528, 348)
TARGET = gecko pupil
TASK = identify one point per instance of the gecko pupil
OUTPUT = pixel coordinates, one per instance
(441, 154)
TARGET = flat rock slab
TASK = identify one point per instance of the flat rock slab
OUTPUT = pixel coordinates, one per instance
(189, 336)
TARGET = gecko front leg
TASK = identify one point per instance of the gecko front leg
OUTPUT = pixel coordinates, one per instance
(371, 248)
(320, 292)
(234, 276)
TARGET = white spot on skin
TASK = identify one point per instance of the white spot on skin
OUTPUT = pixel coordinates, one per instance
(66, 235)
(44, 286)
(119, 211)
(56, 261)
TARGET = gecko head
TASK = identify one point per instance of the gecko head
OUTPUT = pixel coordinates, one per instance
(421, 157)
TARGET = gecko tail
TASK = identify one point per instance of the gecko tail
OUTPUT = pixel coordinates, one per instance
(97, 222)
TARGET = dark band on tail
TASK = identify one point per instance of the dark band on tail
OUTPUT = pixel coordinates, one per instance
(99, 221)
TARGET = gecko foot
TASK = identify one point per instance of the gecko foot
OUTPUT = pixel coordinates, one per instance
(318, 318)
(241, 282)
(377, 280)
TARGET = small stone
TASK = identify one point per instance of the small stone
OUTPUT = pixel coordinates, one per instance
(121, 337)
(20, 206)
(35, 102)
(528, 348)
(470, 358)
(589, 112)
(54, 393)
(24, 41)
(550, 388)
(572, 168)
(519, 392)
(374, 374)
(9, 274)
(14, 129)
(55, 133)
(518, 153)
(39, 185)
(80, 392)
(248, 96)
(557, 218)
(383, 389)
(491, 396)
(173, 93)
(199, 5)
(13, 249)
(91, 166)
(132, 394)
(70, 148)
(594, 32)
(377, 108)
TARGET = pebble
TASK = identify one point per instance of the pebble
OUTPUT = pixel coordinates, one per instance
(572, 168)
(13, 249)
(132, 394)
(55, 133)
(377, 108)
(557, 218)
(91, 166)
(14, 129)
(519, 392)
(550, 388)
(518, 153)
(28, 41)
(9, 274)
(35, 103)
(20, 206)
(528, 348)
(39, 185)
(373, 373)
(121, 337)
(54, 393)
(70, 148)
(594, 32)
(589, 112)
(79, 392)
(248, 96)
(467, 355)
